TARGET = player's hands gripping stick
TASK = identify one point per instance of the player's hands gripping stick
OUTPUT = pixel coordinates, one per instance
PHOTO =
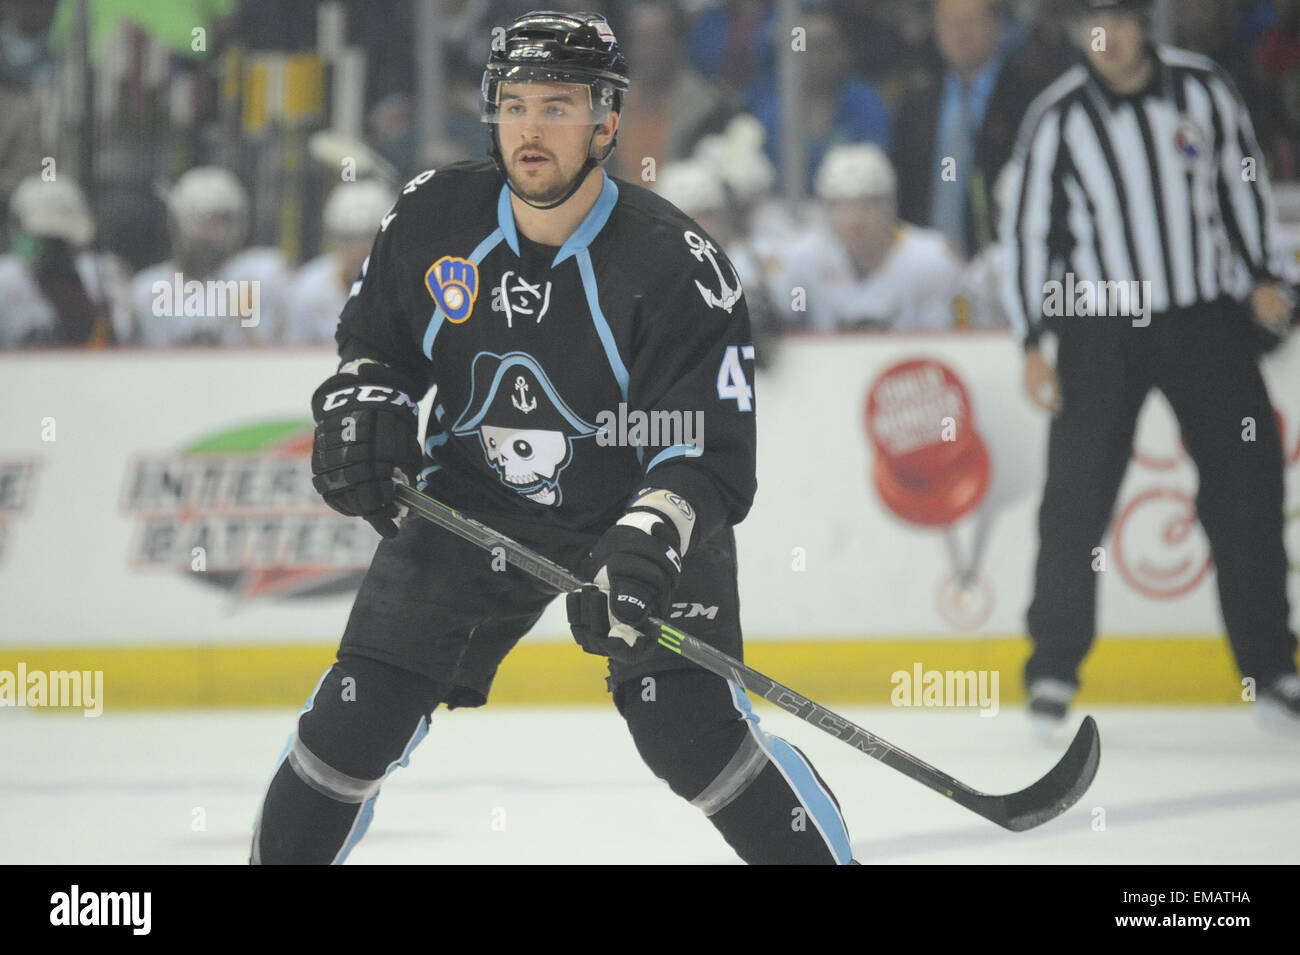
(635, 568)
(366, 439)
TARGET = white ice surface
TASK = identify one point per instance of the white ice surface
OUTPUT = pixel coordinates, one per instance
(514, 785)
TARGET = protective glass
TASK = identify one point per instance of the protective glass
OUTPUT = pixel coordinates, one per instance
(513, 96)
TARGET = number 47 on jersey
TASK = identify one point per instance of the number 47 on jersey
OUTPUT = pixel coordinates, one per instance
(732, 383)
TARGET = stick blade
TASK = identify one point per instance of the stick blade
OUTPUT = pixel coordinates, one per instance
(1059, 789)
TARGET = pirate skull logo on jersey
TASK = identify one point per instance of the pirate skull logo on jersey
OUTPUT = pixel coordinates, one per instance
(526, 429)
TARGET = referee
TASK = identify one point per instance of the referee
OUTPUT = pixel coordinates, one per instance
(1139, 229)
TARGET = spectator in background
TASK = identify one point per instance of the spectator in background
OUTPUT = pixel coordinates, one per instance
(674, 106)
(837, 107)
(1033, 62)
(213, 291)
(1255, 18)
(390, 126)
(1279, 48)
(25, 63)
(731, 43)
(868, 270)
(891, 43)
(351, 218)
(1278, 111)
(52, 291)
(132, 225)
(738, 158)
(763, 223)
(939, 127)
(1210, 27)
(25, 57)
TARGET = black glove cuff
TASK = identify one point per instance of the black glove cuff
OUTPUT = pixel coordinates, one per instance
(372, 386)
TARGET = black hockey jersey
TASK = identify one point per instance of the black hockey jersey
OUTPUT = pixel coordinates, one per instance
(567, 379)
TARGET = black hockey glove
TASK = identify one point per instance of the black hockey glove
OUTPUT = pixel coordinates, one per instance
(634, 567)
(366, 438)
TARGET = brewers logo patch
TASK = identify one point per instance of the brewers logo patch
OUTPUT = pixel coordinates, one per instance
(453, 283)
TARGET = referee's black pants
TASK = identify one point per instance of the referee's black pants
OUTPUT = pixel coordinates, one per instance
(1205, 361)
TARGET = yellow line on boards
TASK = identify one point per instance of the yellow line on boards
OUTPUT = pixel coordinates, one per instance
(1186, 670)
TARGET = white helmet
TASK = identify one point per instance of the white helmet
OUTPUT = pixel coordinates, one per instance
(691, 186)
(207, 191)
(355, 208)
(54, 209)
(860, 171)
(737, 156)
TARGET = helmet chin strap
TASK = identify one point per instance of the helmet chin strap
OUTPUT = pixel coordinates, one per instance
(577, 182)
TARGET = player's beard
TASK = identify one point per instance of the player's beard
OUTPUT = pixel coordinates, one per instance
(542, 194)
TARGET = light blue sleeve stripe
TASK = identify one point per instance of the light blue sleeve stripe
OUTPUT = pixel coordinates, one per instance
(436, 320)
(598, 318)
(676, 451)
(821, 808)
(367, 813)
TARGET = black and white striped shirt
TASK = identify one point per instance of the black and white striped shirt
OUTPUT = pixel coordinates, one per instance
(1167, 185)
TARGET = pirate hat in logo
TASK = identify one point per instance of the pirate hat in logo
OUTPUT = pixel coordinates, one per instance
(525, 427)
(512, 391)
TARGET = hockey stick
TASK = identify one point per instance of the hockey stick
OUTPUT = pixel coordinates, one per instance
(1049, 797)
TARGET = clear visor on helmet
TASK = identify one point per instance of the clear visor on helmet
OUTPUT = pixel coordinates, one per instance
(551, 97)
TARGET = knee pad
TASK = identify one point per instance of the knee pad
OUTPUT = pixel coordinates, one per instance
(687, 729)
(363, 720)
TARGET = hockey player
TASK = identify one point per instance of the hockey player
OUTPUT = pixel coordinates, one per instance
(535, 293)
(213, 291)
(53, 291)
(738, 158)
(320, 288)
(866, 269)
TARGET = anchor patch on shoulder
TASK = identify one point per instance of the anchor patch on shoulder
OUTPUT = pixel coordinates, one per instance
(727, 295)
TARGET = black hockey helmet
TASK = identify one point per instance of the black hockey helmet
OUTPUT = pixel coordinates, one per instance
(548, 46)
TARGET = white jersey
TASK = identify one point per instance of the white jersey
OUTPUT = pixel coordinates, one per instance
(242, 303)
(918, 286)
(770, 225)
(315, 299)
(28, 319)
(984, 277)
(746, 263)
